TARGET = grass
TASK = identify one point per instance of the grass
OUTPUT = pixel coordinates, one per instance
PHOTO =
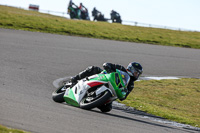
(34, 21)
(9, 130)
(177, 100)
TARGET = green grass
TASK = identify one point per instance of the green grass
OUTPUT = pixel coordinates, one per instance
(177, 100)
(34, 21)
(9, 130)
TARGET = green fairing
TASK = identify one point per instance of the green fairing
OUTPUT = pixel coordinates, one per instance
(111, 77)
(70, 98)
(100, 77)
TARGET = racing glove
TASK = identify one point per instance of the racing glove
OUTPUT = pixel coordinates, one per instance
(107, 67)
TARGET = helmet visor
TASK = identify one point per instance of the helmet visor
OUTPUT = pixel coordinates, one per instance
(135, 72)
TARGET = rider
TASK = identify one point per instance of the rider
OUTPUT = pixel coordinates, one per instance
(95, 11)
(134, 70)
(115, 16)
(70, 3)
(82, 8)
(84, 11)
(113, 13)
(95, 14)
(76, 11)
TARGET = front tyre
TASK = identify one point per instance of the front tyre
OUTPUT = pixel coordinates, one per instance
(58, 95)
(100, 100)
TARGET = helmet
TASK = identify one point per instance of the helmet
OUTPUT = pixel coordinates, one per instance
(134, 69)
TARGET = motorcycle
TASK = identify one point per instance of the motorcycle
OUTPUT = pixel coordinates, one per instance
(75, 13)
(95, 91)
(115, 17)
(98, 15)
(85, 14)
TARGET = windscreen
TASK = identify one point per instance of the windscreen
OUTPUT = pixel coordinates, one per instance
(125, 77)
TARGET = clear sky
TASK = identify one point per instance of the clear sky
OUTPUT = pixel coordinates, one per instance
(172, 13)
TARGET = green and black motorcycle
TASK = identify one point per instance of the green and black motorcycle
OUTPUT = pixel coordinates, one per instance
(95, 91)
(76, 13)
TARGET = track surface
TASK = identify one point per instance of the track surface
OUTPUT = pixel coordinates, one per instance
(30, 62)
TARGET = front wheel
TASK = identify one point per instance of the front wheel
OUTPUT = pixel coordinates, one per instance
(86, 103)
(72, 15)
(57, 95)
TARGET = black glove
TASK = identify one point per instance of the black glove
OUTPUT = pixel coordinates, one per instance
(107, 67)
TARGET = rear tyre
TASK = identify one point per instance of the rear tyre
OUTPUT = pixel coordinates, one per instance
(84, 104)
(106, 108)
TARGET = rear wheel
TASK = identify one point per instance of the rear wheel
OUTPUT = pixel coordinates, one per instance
(92, 101)
(106, 108)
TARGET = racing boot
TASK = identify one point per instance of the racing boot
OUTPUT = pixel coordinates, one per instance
(80, 76)
(74, 80)
(85, 73)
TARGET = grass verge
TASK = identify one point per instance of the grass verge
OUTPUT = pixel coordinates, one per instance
(9, 130)
(177, 100)
(34, 21)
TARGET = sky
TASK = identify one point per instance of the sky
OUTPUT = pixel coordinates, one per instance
(183, 14)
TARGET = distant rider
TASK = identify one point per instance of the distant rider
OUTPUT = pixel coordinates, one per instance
(71, 4)
(82, 8)
(95, 12)
(113, 14)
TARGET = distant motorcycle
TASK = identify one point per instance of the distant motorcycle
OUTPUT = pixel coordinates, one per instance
(115, 17)
(98, 15)
(85, 14)
(76, 13)
(95, 91)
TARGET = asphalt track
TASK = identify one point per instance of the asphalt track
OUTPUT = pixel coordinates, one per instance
(31, 61)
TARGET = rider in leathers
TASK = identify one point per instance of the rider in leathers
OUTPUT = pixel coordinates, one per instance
(134, 70)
